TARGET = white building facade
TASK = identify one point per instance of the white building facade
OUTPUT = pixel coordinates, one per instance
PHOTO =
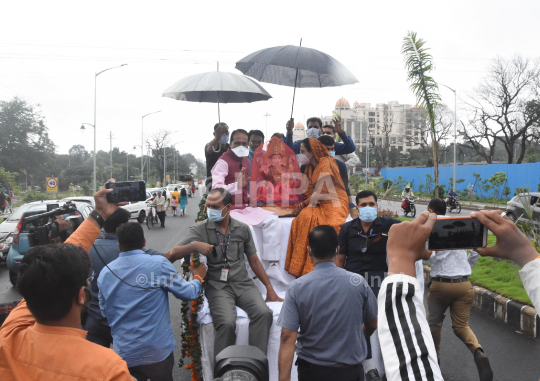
(363, 122)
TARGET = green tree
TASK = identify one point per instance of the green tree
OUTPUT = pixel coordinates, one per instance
(25, 145)
(418, 63)
(7, 178)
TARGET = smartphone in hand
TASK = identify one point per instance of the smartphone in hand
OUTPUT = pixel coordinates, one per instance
(126, 191)
(456, 233)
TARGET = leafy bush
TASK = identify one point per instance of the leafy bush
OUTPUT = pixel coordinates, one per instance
(521, 190)
(387, 184)
(386, 213)
(86, 188)
(35, 196)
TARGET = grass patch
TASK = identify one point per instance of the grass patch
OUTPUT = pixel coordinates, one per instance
(500, 276)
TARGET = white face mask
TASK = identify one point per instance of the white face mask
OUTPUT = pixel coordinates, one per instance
(303, 159)
(241, 151)
(312, 133)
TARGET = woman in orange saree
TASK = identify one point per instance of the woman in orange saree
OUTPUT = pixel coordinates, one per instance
(325, 203)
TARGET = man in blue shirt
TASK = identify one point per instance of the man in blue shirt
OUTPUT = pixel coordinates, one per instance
(106, 245)
(314, 126)
(328, 313)
(104, 250)
(133, 297)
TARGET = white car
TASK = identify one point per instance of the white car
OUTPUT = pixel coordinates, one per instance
(187, 187)
(137, 209)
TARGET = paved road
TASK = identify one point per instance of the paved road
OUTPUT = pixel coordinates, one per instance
(513, 355)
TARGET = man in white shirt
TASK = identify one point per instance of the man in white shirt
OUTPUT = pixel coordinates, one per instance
(451, 288)
(159, 201)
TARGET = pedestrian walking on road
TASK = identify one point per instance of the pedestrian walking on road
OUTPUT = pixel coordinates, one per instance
(183, 202)
(174, 204)
(193, 190)
(160, 207)
(451, 288)
(3, 202)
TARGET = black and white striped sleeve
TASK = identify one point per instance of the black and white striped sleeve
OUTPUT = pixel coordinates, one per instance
(406, 343)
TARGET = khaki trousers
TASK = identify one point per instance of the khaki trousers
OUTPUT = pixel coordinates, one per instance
(459, 297)
(223, 309)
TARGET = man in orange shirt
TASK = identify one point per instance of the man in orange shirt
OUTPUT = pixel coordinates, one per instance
(41, 339)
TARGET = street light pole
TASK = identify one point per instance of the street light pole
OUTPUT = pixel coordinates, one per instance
(266, 131)
(142, 144)
(455, 132)
(94, 125)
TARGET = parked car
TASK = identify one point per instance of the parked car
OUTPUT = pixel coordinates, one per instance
(20, 236)
(137, 209)
(515, 209)
(10, 224)
(88, 199)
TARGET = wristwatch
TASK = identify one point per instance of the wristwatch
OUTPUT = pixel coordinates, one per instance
(98, 218)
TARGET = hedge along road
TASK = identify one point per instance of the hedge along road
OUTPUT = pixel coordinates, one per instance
(511, 354)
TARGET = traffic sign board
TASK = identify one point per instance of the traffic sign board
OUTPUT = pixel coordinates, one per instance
(52, 185)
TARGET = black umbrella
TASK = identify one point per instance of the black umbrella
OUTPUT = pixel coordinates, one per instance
(295, 66)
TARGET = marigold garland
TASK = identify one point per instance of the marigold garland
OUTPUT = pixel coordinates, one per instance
(191, 346)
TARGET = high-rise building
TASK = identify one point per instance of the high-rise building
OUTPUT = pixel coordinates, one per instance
(362, 122)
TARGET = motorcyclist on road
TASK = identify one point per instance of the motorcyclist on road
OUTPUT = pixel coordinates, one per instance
(451, 197)
(405, 195)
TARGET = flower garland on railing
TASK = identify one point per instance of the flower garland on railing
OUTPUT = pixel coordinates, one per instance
(191, 346)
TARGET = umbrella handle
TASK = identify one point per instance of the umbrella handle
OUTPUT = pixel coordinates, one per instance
(294, 93)
(295, 78)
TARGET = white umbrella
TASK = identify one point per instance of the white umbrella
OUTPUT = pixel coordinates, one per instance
(217, 87)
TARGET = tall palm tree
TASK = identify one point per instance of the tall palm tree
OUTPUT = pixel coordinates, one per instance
(418, 64)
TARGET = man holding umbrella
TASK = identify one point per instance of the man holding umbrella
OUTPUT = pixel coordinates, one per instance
(215, 148)
(314, 127)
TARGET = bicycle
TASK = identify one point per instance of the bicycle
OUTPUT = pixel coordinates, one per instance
(151, 216)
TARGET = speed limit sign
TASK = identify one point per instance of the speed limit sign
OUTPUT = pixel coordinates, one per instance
(52, 185)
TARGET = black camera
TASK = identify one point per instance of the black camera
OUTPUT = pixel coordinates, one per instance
(45, 227)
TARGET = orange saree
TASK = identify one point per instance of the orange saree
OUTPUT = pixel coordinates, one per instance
(332, 208)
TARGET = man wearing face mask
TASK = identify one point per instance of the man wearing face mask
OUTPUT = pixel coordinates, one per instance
(351, 160)
(362, 250)
(314, 126)
(224, 241)
(231, 172)
(215, 148)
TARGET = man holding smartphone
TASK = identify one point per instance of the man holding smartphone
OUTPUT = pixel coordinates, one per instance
(451, 288)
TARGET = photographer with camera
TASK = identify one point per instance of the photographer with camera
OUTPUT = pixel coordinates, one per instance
(41, 338)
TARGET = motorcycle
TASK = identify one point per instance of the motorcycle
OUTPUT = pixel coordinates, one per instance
(453, 204)
(411, 209)
(5, 245)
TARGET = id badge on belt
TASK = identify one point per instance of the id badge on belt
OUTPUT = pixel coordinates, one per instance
(224, 274)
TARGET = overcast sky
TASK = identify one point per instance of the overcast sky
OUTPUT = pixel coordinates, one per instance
(50, 50)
